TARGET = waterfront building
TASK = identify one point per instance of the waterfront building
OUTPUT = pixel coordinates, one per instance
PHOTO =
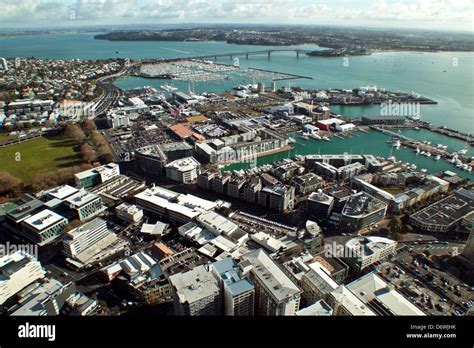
(129, 213)
(238, 292)
(85, 204)
(275, 293)
(327, 124)
(307, 183)
(17, 271)
(251, 190)
(196, 293)
(234, 187)
(97, 175)
(204, 180)
(341, 195)
(279, 198)
(43, 227)
(443, 215)
(287, 170)
(361, 211)
(381, 298)
(361, 252)
(220, 183)
(382, 120)
(184, 170)
(319, 205)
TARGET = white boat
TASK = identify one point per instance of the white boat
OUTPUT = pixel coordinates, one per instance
(463, 151)
(326, 139)
(314, 136)
(392, 158)
(304, 136)
(428, 154)
(424, 170)
(397, 144)
(423, 153)
(417, 150)
(291, 140)
(413, 166)
(438, 157)
(417, 128)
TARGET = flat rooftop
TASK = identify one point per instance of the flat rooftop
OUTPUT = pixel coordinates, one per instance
(195, 285)
(62, 192)
(362, 204)
(270, 274)
(43, 220)
(448, 210)
(81, 198)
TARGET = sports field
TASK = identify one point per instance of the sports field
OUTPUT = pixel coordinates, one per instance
(36, 156)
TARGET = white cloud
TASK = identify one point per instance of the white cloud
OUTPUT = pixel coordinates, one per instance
(451, 14)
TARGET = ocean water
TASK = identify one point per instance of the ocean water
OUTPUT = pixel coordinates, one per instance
(447, 77)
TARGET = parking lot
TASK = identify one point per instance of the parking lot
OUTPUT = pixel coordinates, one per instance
(433, 290)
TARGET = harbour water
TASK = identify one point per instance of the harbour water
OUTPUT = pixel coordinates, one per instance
(446, 77)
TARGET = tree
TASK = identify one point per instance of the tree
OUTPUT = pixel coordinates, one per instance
(88, 126)
(74, 132)
(9, 185)
(88, 153)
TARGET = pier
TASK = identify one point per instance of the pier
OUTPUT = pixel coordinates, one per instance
(406, 141)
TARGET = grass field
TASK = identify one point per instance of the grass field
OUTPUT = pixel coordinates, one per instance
(38, 156)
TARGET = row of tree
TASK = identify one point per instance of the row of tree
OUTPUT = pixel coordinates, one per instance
(98, 147)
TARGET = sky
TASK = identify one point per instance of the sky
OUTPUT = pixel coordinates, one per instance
(457, 15)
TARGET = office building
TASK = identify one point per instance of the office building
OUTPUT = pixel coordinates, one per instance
(361, 252)
(44, 227)
(316, 284)
(279, 198)
(445, 214)
(361, 211)
(17, 271)
(251, 189)
(275, 293)
(319, 205)
(184, 170)
(172, 206)
(204, 179)
(97, 175)
(238, 292)
(83, 237)
(85, 204)
(307, 183)
(196, 293)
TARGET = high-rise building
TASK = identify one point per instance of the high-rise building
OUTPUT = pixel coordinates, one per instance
(196, 293)
(83, 237)
(238, 292)
(17, 271)
(279, 198)
(184, 170)
(275, 293)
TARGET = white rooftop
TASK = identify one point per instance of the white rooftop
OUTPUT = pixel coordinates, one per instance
(62, 192)
(81, 198)
(43, 220)
(371, 287)
(195, 285)
(184, 164)
(351, 302)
